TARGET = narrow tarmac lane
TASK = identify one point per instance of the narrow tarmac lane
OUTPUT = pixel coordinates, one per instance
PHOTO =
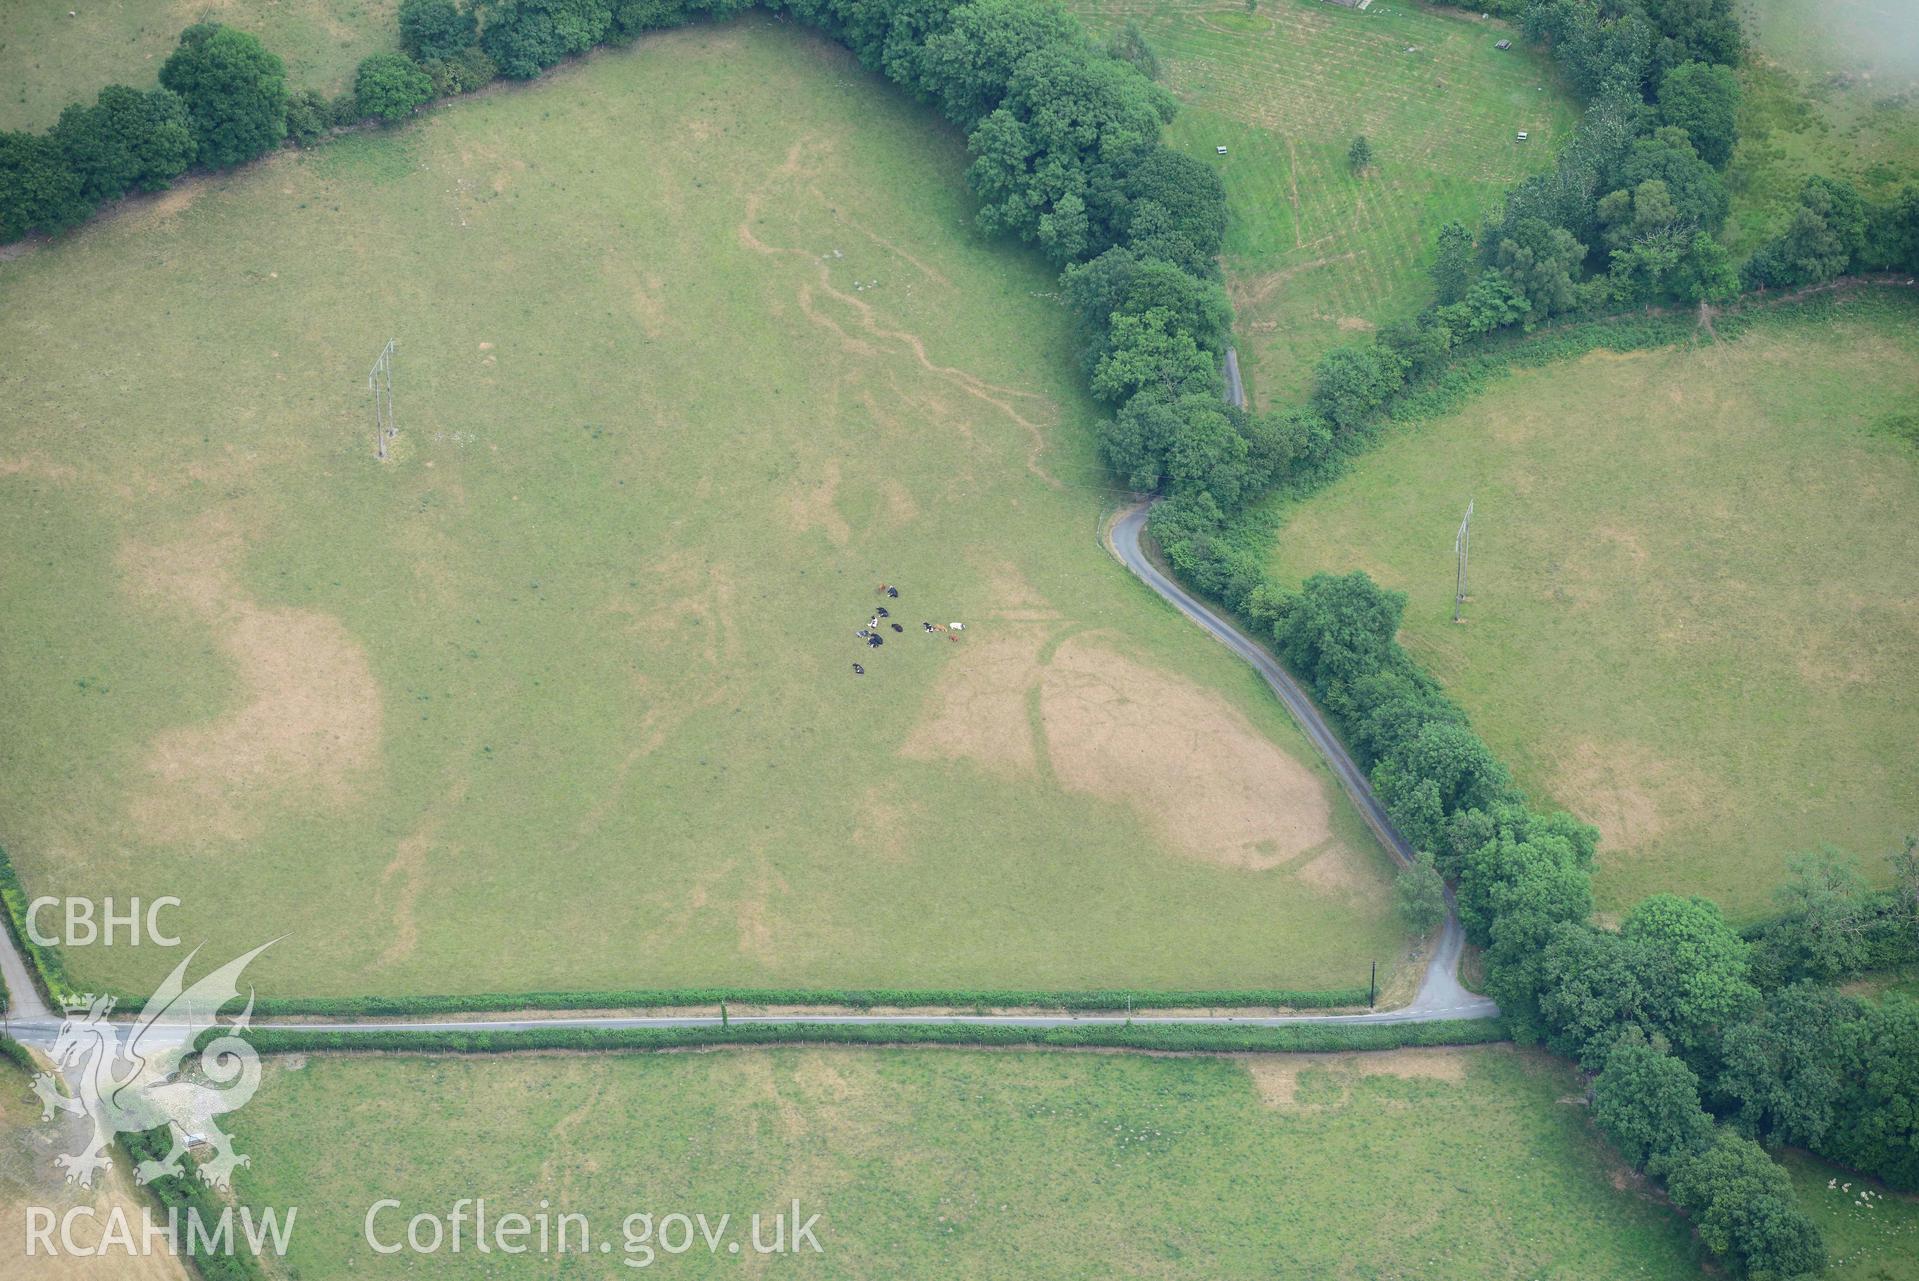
(1440, 994)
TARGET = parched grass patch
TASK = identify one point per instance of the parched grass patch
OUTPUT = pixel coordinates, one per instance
(920, 1163)
(1695, 595)
(53, 52)
(1315, 255)
(1832, 89)
(697, 349)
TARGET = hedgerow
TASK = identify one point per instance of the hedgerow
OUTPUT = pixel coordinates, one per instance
(1306, 1037)
(48, 966)
(16, 1053)
(181, 1192)
(184, 1195)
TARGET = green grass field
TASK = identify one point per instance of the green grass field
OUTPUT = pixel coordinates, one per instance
(927, 1163)
(53, 52)
(1872, 1234)
(1831, 87)
(1695, 613)
(1314, 255)
(696, 348)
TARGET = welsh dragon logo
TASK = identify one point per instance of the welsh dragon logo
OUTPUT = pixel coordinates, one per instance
(137, 1085)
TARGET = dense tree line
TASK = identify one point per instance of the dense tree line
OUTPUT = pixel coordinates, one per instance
(1704, 1043)
(222, 101)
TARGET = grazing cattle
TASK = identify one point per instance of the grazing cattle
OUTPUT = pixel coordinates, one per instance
(883, 613)
(893, 592)
(874, 642)
(858, 670)
(898, 628)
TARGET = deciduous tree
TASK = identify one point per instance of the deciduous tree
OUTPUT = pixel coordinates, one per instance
(1540, 261)
(39, 191)
(525, 37)
(391, 87)
(127, 141)
(1781, 1075)
(1743, 1207)
(1339, 629)
(1421, 895)
(1695, 971)
(433, 30)
(1703, 99)
(1150, 350)
(1647, 1102)
(234, 90)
